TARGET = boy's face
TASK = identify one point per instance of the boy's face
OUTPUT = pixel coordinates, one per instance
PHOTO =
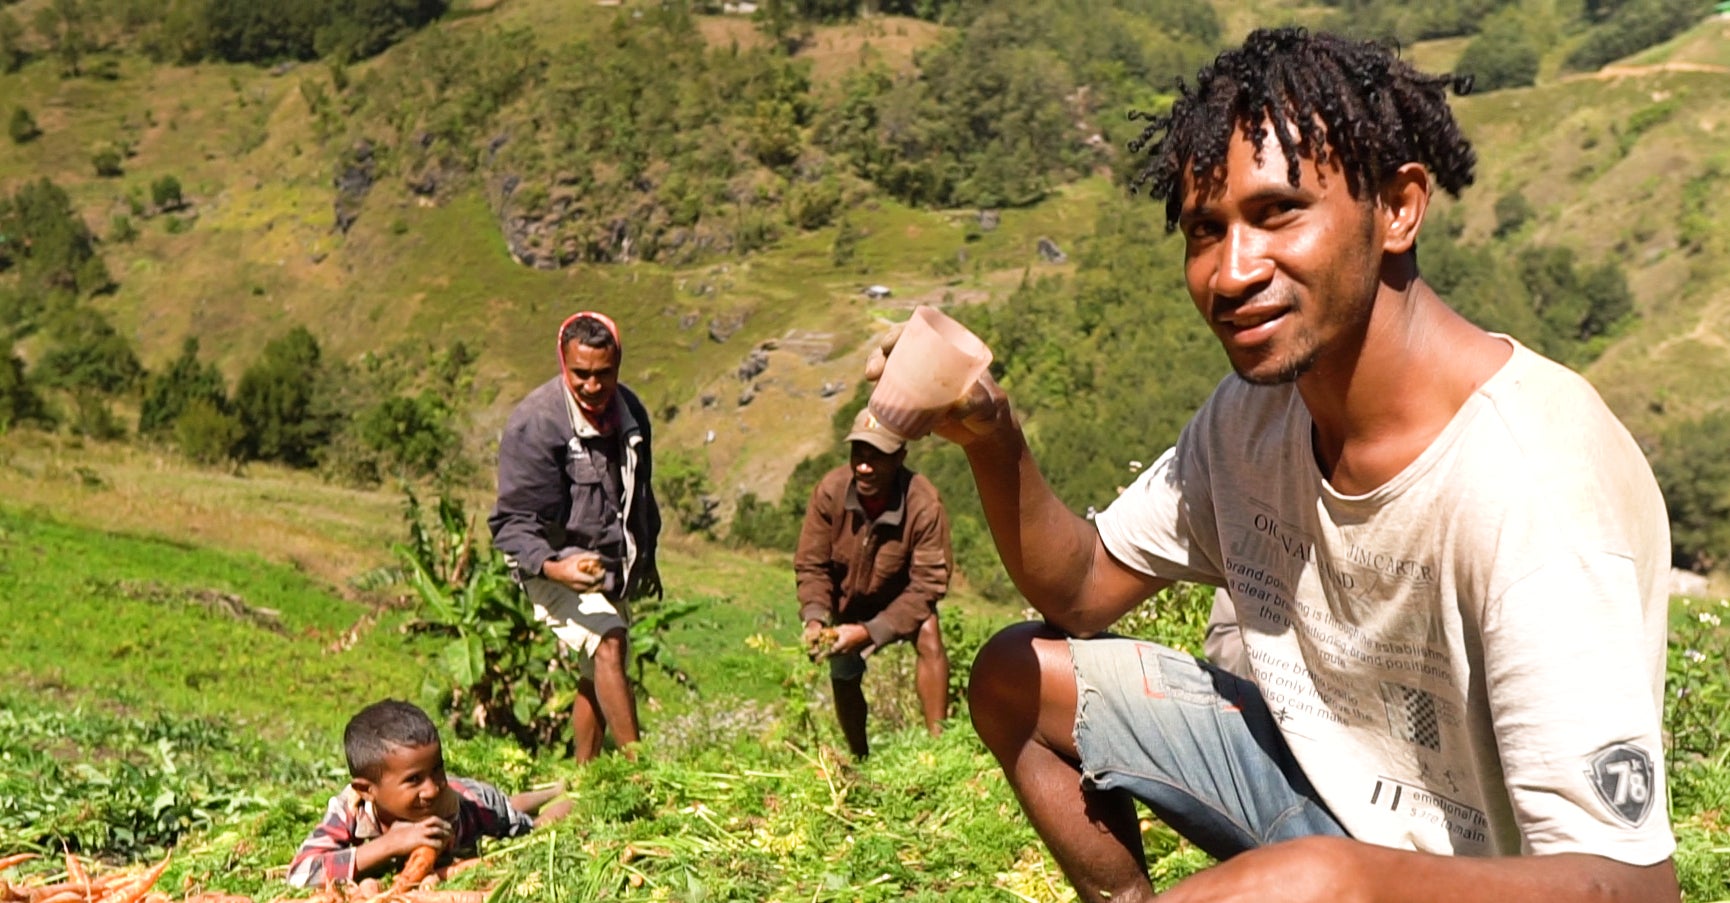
(409, 785)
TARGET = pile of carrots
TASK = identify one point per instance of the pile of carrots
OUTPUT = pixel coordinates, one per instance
(80, 887)
(135, 886)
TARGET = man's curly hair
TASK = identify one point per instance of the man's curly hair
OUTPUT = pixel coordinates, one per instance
(1356, 101)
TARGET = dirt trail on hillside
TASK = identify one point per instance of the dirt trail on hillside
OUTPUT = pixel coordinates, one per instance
(1611, 72)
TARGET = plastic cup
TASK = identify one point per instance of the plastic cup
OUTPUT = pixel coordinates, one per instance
(931, 367)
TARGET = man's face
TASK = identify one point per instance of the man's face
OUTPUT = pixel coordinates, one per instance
(1285, 276)
(409, 784)
(592, 374)
(874, 469)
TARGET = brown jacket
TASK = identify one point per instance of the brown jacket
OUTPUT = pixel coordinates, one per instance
(886, 574)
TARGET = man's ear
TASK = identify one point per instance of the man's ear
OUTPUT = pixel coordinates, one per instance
(1405, 198)
(364, 787)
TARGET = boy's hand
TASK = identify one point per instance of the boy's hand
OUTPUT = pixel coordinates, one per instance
(404, 836)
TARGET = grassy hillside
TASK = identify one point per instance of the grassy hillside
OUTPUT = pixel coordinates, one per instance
(1606, 160)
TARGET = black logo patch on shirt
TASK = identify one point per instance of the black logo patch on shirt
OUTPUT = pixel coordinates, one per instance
(1623, 776)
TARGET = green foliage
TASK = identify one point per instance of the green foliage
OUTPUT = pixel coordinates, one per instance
(86, 353)
(208, 434)
(1694, 227)
(157, 778)
(763, 525)
(52, 247)
(1502, 56)
(260, 31)
(683, 490)
(493, 669)
(845, 245)
(65, 27)
(12, 53)
(282, 402)
(1632, 26)
(19, 402)
(121, 231)
(22, 127)
(985, 123)
(413, 436)
(1512, 212)
(169, 393)
(1694, 474)
(107, 162)
(1175, 617)
(165, 193)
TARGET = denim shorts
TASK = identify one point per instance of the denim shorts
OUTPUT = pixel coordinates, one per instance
(1193, 742)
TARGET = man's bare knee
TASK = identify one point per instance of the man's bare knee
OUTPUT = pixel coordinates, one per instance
(929, 641)
(610, 652)
(1005, 694)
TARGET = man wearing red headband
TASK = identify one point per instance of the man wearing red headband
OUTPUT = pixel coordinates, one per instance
(578, 521)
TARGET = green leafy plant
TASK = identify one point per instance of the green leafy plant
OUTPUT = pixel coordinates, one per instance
(501, 670)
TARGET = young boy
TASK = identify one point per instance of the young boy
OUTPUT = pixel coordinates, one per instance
(400, 799)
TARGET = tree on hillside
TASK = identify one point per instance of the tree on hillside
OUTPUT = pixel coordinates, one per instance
(165, 193)
(170, 392)
(63, 26)
(87, 354)
(18, 399)
(53, 249)
(12, 55)
(280, 402)
(22, 127)
(1694, 474)
(1502, 56)
(1633, 26)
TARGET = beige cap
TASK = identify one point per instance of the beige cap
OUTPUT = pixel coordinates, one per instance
(868, 430)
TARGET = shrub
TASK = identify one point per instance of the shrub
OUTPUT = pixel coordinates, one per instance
(1501, 57)
(107, 161)
(207, 435)
(22, 127)
(1694, 474)
(1512, 212)
(165, 193)
(120, 229)
(682, 488)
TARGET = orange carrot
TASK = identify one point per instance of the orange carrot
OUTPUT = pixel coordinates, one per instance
(133, 892)
(65, 896)
(416, 869)
(74, 871)
(7, 862)
(47, 891)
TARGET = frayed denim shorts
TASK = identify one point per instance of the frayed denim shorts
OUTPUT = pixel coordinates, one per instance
(1193, 742)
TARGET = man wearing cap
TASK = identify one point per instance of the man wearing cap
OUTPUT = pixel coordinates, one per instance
(873, 560)
(577, 519)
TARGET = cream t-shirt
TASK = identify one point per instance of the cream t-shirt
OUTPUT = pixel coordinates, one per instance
(1468, 659)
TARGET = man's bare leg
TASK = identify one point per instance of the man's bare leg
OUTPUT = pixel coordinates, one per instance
(850, 709)
(932, 674)
(587, 722)
(1094, 836)
(618, 705)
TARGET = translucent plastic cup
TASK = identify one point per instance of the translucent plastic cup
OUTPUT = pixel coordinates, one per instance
(931, 367)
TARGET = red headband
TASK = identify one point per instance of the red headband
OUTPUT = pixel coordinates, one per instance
(603, 319)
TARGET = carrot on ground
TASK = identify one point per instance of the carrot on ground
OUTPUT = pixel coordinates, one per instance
(7, 862)
(133, 892)
(75, 871)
